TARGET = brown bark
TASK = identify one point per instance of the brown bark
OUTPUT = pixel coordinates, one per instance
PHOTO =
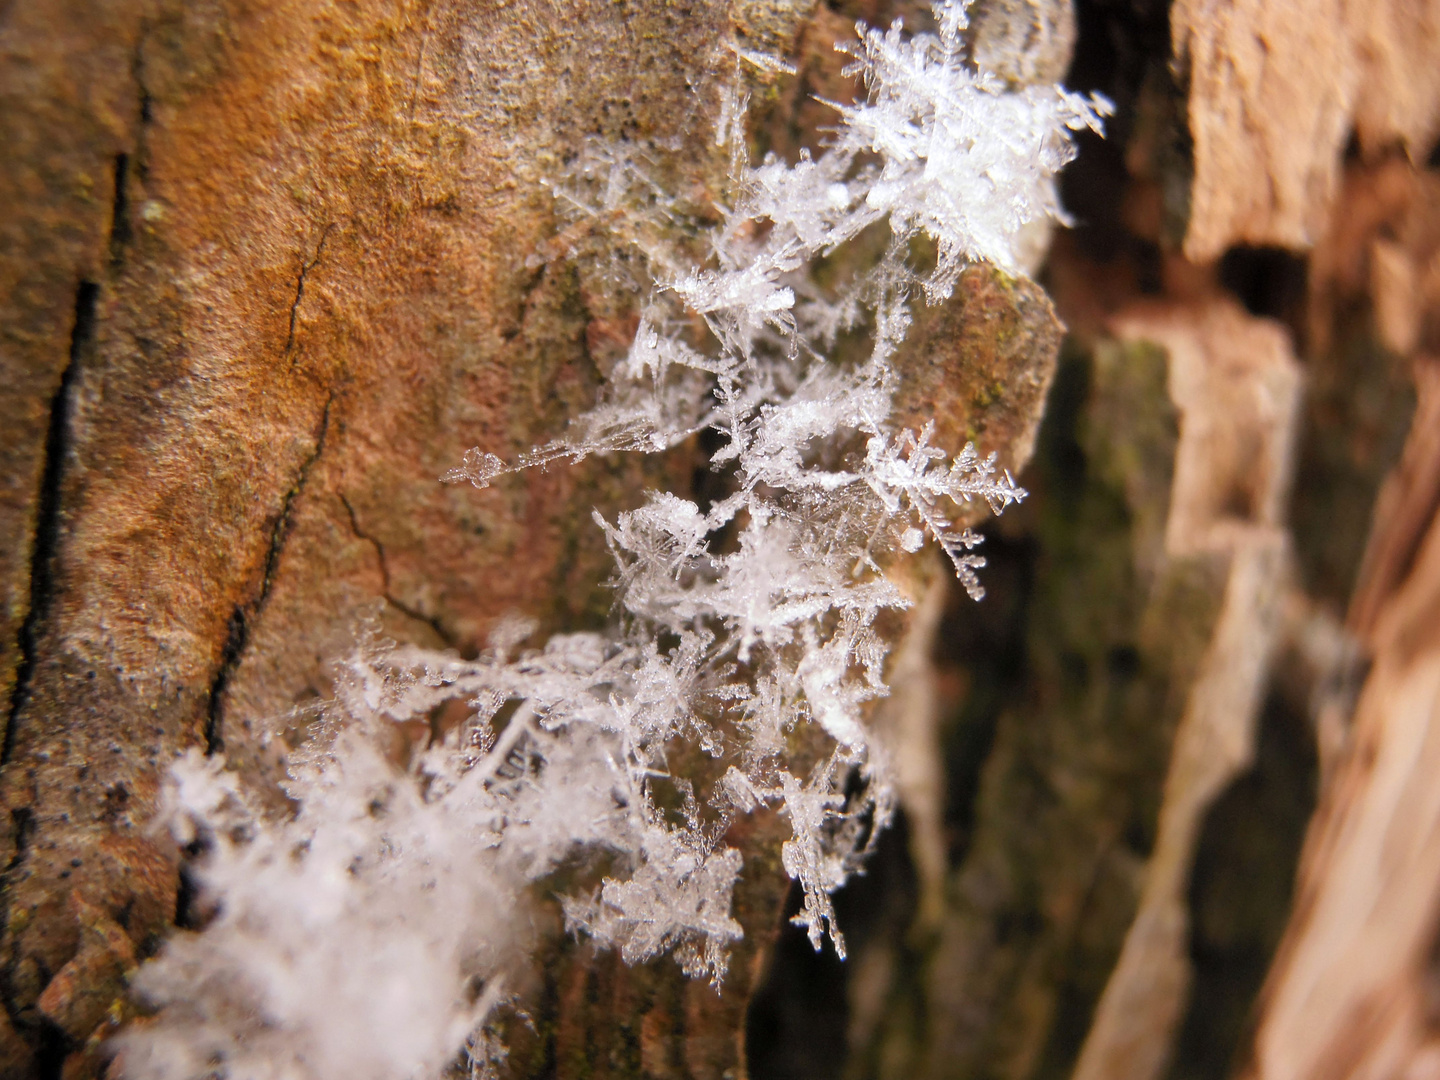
(1236, 385)
(268, 269)
(271, 269)
(1350, 994)
(1276, 90)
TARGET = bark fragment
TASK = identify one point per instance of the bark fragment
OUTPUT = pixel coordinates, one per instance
(1275, 90)
(1236, 385)
(1349, 992)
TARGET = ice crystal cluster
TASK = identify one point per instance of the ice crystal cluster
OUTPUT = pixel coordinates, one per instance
(370, 933)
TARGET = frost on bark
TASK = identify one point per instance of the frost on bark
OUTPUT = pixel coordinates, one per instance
(271, 270)
(268, 270)
(266, 279)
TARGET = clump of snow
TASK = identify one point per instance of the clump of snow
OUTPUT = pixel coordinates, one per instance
(370, 934)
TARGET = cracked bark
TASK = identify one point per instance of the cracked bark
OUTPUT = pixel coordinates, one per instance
(244, 615)
(192, 568)
(305, 268)
(209, 547)
(47, 510)
(419, 616)
(179, 559)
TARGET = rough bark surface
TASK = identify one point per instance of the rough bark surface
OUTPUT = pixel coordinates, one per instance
(1236, 385)
(1275, 92)
(270, 270)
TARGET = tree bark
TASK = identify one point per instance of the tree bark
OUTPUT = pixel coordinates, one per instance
(267, 269)
(273, 268)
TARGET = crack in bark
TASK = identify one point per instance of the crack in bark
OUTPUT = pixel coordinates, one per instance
(54, 1047)
(47, 511)
(120, 213)
(23, 822)
(432, 621)
(244, 615)
(305, 268)
(137, 72)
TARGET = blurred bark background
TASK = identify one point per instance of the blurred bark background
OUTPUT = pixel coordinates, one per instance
(1169, 793)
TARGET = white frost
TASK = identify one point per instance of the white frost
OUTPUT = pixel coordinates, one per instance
(370, 934)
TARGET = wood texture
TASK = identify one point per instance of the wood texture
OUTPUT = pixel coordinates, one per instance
(271, 268)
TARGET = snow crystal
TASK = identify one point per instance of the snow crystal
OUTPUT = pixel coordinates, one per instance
(370, 935)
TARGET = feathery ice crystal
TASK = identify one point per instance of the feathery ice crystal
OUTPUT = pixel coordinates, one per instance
(370, 935)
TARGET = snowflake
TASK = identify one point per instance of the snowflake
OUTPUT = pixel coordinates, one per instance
(370, 935)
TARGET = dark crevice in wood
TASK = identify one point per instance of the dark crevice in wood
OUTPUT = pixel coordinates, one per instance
(236, 638)
(120, 212)
(47, 512)
(1270, 282)
(52, 1049)
(23, 822)
(797, 1020)
(189, 909)
(305, 268)
(137, 71)
(1241, 891)
(405, 609)
(244, 615)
